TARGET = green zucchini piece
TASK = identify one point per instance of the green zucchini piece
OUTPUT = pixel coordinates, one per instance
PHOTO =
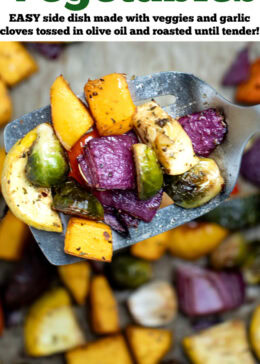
(232, 252)
(70, 198)
(47, 165)
(148, 170)
(130, 272)
(236, 213)
(197, 186)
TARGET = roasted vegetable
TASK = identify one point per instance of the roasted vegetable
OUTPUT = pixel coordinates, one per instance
(152, 248)
(31, 276)
(104, 310)
(230, 253)
(111, 218)
(166, 201)
(129, 272)
(111, 104)
(255, 331)
(6, 107)
(225, 343)
(110, 162)
(13, 236)
(46, 165)
(166, 136)
(236, 213)
(251, 263)
(71, 118)
(2, 159)
(149, 346)
(70, 198)
(29, 203)
(16, 63)
(88, 239)
(48, 50)
(51, 325)
(148, 171)
(76, 278)
(194, 240)
(110, 350)
(248, 92)
(206, 129)
(250, 165)
(153, 304)
(239, 70)
(204, 292)
(197, 186)
(76, 151)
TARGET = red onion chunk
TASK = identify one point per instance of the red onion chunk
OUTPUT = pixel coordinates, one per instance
(110, 162)
(204, 292)
(239, 70)
(105, 197)
(250, 166)
(129, 220)
(128, 201)
(83, 166)
(112, 220)
(49, 50)
(206, 130)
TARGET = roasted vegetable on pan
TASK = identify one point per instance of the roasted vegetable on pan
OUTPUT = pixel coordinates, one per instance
(111, 104)
(29, 203)
(225, 343)
(51, 325)
(104, 308)
(152, 248)
(76, 277)
(250, 165)
(109, 350)
(47, 165)
(197, 186)
(70, 198)
(248, 91)
(166, 135)
(148, 172)
(130, 272)
(149, 346)
(70, 117)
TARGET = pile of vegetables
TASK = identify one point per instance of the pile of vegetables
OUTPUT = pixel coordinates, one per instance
(108, 164)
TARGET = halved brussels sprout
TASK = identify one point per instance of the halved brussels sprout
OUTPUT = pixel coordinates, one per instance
(70, 198)
(47, 165)
(197, 186)
(148, 170)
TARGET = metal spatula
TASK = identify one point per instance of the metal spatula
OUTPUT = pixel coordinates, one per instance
(191, 95)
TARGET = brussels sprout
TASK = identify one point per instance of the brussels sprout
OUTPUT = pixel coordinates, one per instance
(230, 253)
(130, 272)
(251, 265)
(70, 198)
(47, 165)
(197, 186)
(149, 173)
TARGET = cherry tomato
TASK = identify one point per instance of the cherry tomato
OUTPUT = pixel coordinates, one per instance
(235, 190)
(77, 150)
(1, 320)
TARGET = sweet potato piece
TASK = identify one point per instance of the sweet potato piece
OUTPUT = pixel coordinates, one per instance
(51, 325)
(77, 279)
(71, 118)
(89, 239)
(6, 107)
(16, 63)
(104, 310)
(110, 350)
(248, 92)
(13, 235)
(194, 240)
(152, 248)
(225, 343)
(111, 104)
(148, 345)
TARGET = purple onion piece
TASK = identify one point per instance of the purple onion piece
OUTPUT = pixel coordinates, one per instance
(204, 292)
(110, 162)
(84, 168)
(113, 221)
(239, 70)
(206, 130)
(250, 166)
(204, 322)
(105, 197)
(49, 50)
(129, 220)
